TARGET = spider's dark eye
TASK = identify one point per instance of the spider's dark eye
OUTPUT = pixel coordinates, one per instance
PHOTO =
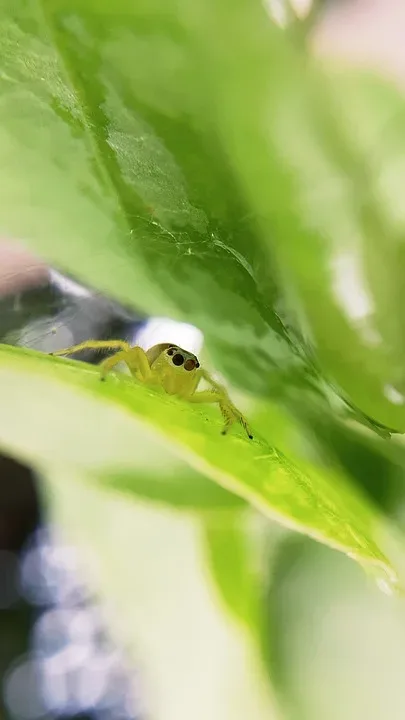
(170, 351)
(178, 359)
(197, 364)
(190, 364)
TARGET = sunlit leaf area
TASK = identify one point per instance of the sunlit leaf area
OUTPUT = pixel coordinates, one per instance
(205, 196)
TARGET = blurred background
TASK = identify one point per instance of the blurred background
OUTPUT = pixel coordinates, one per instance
(56, 656)
(338, 646)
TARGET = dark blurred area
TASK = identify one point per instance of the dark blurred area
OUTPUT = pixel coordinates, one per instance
(19, 516)
(56, 656)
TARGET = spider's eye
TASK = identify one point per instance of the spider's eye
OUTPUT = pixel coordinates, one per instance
(178, 359)
(170, 351)
(190, 364)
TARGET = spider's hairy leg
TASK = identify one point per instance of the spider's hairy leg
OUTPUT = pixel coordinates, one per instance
(136, 360)
(94, 345)
(134, 357)
(138, 363)
(229, 412)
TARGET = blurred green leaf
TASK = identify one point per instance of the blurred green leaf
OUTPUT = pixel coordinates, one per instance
(231, 554)
(177, 486)
(56, 413)
(338, 643)
(191, 657)
(312, 157)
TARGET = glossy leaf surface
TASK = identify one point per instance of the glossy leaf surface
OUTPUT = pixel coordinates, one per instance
(134, 194)
(68, 401)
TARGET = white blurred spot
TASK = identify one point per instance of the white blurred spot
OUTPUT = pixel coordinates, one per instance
(72, 657)
(21, 692)
(89, 687)
(77, 669)
(301, 7)
(277, 11)
(49, 572)
(67, 286)
(118, 688)
(384, 586)
(349, 286)
(72, 684)
(281, 10)
(83, 626)
(68, 634)
(393, 395)
(159, 330)
(54, 686)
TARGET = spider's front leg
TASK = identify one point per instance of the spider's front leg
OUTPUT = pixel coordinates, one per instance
(231, 414)
(136, 360)
(134, 357)
(94, 345)
(219, 395)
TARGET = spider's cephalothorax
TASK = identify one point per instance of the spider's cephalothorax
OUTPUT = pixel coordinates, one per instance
(176, 370)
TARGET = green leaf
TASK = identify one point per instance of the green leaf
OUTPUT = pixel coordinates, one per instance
(173, 152)
(57, 413)
(154, 569)
(238, 578)
(321, 161)
(111, 168)
(176, 486)
(345, 618)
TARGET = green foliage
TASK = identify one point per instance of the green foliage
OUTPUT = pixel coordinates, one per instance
(70, 399)
(187, 159)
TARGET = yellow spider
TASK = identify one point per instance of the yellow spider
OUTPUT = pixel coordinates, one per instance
(177, 371)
